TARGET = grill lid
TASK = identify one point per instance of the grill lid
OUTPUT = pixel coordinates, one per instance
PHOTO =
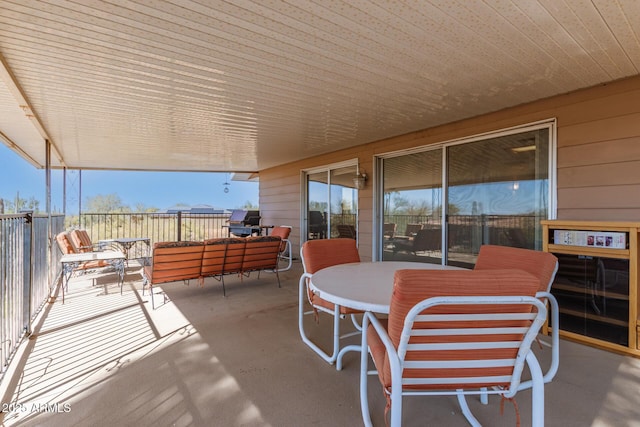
(244, 217)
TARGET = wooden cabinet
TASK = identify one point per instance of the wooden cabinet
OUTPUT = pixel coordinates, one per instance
(597, 281)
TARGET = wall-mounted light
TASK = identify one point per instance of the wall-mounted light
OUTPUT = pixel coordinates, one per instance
(360, 180)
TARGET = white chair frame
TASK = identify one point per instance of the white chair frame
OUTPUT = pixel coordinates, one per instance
(397, 362)
(286, 255)
(545, 296)
(336, 353)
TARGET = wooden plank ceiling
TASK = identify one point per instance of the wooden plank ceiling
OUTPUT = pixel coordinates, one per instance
(242, 85)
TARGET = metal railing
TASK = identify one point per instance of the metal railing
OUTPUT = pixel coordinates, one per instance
(158, 227)
(26, 274)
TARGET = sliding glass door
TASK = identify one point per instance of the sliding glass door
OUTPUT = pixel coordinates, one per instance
(413, 204)
(497, 191)
(441, 204)
(331, 202)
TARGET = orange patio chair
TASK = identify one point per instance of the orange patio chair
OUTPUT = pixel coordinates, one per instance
(81, 241)
(283, 232)
(66, 247)
(475, 340)
(542, 265)
(316, 255)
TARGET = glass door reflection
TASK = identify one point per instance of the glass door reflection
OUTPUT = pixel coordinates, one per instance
(332, 203)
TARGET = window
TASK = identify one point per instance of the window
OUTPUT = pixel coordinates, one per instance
(448, 199)
(331, 202)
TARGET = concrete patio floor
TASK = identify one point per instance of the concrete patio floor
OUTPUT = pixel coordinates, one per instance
(201, 359)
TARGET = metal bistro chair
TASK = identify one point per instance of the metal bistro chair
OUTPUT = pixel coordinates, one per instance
(474, 341)
(316, 255)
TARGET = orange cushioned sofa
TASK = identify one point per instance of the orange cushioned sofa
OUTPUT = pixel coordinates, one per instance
(174, 261)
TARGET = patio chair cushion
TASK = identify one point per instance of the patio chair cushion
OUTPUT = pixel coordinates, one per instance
(66, 247)
(283, 233)
(64, 243)
(413, 286)
(540, 264)
(81, 241)
(323, 253)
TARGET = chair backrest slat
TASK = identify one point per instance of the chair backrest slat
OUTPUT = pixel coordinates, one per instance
(459, 356)
(472, 335)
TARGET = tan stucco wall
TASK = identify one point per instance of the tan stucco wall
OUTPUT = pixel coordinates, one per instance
(598, 158)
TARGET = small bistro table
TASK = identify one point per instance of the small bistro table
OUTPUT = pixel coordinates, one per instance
(71, 261)
(126, 243)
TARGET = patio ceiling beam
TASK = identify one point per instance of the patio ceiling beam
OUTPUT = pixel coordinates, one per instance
(17, 148)
(12, 84)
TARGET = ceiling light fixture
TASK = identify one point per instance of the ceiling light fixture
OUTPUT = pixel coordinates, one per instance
(524, 149)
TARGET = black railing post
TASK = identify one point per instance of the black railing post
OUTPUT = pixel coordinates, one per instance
(179, 220)
(27, 276)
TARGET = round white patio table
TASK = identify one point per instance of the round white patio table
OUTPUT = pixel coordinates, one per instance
(365, 286)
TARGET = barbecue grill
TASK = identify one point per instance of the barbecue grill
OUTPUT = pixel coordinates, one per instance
(243, 223)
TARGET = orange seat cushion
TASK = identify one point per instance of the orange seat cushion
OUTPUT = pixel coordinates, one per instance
(66, 247)
(81, 240)
(64, 243)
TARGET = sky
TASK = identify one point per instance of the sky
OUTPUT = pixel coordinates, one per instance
(151, 189)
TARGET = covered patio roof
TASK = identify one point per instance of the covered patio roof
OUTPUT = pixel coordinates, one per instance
(244, 86)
